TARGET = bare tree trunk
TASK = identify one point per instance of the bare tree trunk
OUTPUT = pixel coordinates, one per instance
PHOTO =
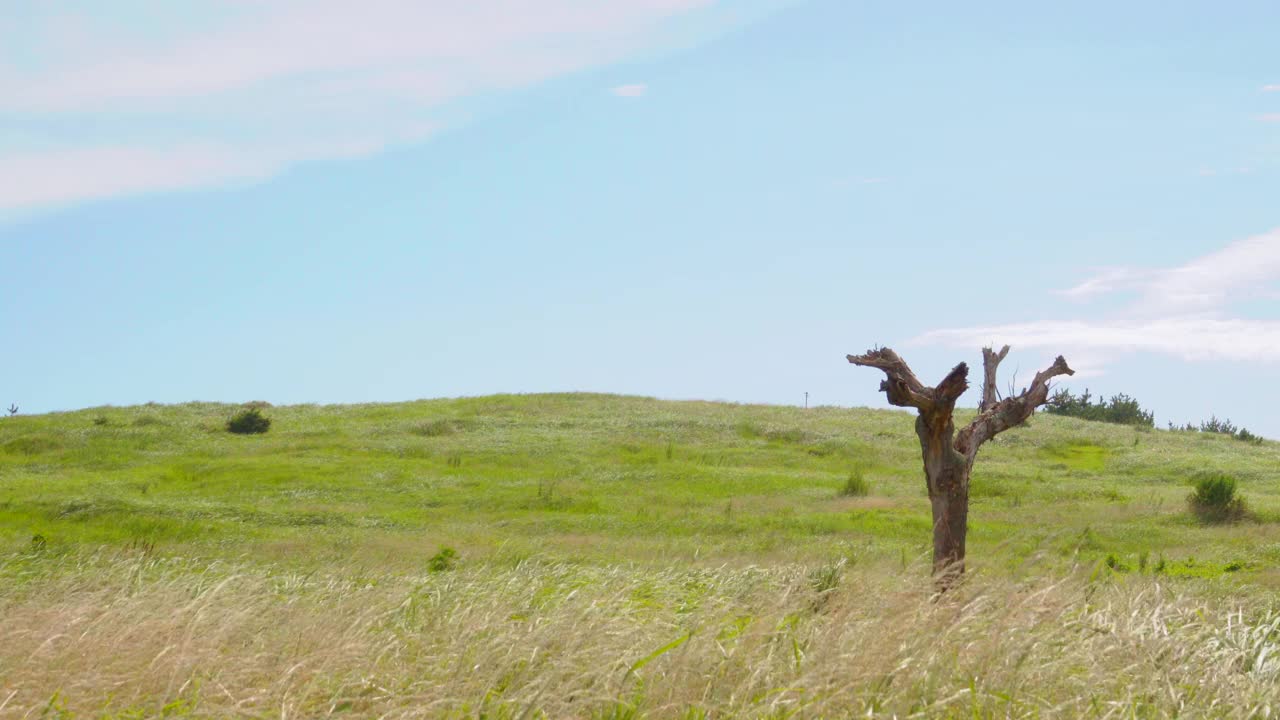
(947, 479)
(949, 455)
(950, 526)
(990, 361)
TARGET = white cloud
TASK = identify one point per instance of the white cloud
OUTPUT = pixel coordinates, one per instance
(1107, 281)
(213, 91)
(1191, 338)
(61, 176)
(1271, 88)
(630, 91)
(1180, 311)
(1269, 117)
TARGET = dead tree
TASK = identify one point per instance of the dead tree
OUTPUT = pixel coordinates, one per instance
(949, 455)
(990, 361)
(13, 409)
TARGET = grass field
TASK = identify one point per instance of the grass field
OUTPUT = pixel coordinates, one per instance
(619, 557)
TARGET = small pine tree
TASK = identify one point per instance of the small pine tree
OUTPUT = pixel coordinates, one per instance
(1214, 425)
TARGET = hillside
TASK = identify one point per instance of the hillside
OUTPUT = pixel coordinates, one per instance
(597, 478)
(616, 557)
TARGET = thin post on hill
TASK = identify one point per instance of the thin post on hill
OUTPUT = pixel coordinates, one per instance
(949, 455)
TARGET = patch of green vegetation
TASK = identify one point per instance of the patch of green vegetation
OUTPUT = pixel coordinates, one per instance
(33, 444)
(1079, 455)
(435, 428)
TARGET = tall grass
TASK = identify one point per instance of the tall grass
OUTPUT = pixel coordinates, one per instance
(855, 485)
(138, 636)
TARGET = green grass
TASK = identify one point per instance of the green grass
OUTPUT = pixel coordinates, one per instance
(656, 511)
(603, 479)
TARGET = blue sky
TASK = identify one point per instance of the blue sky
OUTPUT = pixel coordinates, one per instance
(336, 202)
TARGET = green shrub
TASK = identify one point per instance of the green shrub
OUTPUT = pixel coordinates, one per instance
(1214, 499)
(856, 485)
(249, 422)
(443, 560)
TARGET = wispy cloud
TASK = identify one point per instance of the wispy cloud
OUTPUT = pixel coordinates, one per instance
(1271, 88)
(1181, 311)
(59, 176)
(1206, 283)
(1269, 117)
(207, 92)
(630, 91)
(1188, 337)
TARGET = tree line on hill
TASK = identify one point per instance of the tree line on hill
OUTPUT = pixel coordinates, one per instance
(1122, 409)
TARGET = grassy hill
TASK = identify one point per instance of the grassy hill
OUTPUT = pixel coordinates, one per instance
(617, 557)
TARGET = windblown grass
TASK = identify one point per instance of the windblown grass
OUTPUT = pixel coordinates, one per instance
(135, 636)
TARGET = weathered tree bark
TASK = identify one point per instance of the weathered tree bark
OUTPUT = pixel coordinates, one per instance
(990, 361)
(948, 456)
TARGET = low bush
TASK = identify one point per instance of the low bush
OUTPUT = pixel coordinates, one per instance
(249, 422)
(1214, 499)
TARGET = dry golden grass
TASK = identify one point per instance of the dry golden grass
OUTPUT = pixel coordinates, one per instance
(136, 636)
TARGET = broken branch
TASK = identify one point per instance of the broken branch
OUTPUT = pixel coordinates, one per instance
(1011, 411)
(900, 385)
